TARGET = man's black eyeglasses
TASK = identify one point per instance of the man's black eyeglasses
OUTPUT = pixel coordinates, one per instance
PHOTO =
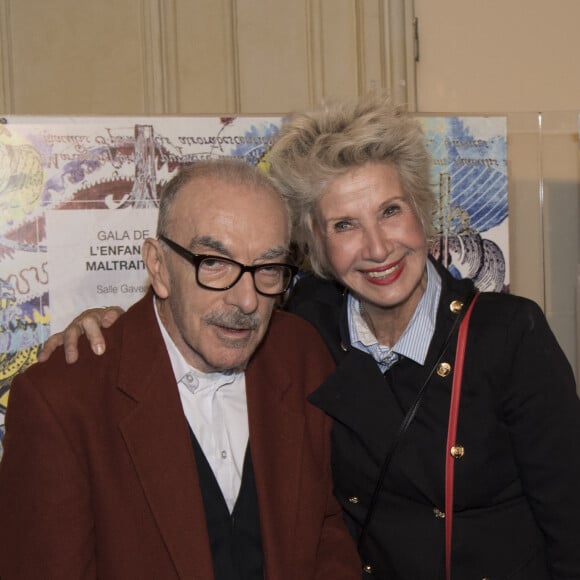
(217, 273)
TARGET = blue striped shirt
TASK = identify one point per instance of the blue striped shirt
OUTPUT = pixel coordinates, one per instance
(415, 340)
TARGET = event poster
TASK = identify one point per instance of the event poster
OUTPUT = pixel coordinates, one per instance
(470, 186)
(79, 195)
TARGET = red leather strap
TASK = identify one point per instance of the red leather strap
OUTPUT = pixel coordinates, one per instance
(451, 433)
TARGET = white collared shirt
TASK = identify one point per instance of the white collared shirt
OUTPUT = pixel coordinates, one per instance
(215, 407)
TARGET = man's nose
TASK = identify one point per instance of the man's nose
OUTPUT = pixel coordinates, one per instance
(244, 294)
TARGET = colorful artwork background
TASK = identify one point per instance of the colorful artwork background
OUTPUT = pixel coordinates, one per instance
(52, 167)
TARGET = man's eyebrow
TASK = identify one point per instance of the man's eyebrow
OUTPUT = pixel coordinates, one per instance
(280, 252)
(209, 243)
(213, 244)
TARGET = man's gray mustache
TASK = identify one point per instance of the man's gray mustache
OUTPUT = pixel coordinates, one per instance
(234, 320)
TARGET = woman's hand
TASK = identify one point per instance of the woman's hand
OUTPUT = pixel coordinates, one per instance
(88, 322)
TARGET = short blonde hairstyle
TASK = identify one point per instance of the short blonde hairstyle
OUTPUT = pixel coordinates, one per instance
(314, 148)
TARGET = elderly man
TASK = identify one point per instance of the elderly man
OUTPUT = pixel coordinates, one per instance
(187, 450)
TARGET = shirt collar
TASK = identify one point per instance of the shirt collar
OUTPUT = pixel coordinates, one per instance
(415, 340)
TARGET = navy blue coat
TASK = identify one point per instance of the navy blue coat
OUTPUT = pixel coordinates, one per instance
(517, 488)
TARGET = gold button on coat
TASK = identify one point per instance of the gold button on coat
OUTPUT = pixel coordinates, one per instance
(443, 369)
(353, 499)
(368, 569)
(456, 306)
(457, 451)
(438, 513)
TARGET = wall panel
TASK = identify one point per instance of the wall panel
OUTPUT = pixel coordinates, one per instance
(340, 47)
(74, 57)
(203, 57)
(207, 80)
(273, 55)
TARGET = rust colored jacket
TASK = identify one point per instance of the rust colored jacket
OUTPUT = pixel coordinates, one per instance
(98, 478)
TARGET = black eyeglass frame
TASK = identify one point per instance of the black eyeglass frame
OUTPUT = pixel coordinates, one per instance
(196, 259)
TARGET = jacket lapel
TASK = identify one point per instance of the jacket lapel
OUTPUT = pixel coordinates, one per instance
(276, 440)
(157, 438)
(356, 394)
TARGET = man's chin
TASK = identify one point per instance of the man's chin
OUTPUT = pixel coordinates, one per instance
(231, 359)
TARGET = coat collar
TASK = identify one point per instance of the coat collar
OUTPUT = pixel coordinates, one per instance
(454, 295)
(355, 395)
(357, 377)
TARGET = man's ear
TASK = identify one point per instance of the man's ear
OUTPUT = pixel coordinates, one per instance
(154, 258)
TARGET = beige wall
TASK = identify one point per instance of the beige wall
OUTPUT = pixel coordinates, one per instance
(197, 57)
(70, 57)
(520, 58)
(498, 55)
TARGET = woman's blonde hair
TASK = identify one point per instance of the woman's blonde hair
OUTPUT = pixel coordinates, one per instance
(314, 148)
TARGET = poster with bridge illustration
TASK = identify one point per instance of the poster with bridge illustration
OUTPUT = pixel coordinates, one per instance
(79, 194)
(470, 185)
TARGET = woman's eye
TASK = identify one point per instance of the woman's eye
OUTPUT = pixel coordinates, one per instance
(391, 210)
(342, 226)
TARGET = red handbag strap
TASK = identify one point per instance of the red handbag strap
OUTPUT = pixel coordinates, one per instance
(451, 433)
